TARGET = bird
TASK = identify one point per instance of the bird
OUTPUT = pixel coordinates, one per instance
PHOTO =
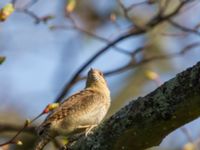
(81, 112)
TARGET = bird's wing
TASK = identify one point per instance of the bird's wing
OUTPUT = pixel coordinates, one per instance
(79, 103)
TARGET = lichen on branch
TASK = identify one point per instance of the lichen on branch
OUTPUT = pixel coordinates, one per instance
(144, 122)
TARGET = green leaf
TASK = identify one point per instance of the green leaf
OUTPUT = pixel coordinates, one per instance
(2, 59)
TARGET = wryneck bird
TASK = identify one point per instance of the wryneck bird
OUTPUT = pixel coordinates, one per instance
(78, 113)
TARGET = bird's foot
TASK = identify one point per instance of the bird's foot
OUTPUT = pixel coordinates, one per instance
(89, 129)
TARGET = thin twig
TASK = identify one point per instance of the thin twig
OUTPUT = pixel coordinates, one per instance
(76, 26)
(5, 127)
(124, 9)
(100, 38)
(132, 65)
(31, 3)
(135, 5)
(13, 2)
(34, 16)
(24, 127)
(183, 28)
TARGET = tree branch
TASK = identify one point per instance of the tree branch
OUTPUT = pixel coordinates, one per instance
(158, 19)
(144, 122)
(13, 128)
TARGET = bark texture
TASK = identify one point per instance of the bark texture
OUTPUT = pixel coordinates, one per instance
(144, 122)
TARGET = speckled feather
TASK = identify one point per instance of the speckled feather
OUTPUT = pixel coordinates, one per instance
(80, 105)
(87, 107)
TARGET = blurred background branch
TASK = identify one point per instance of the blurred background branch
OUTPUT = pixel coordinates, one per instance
(13, 128)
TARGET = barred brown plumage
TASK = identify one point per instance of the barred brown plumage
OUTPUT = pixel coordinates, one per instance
(80, 112)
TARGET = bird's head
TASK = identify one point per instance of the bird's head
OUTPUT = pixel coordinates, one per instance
(95, 78)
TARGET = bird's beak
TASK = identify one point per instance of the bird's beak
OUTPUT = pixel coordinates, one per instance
(91, 69)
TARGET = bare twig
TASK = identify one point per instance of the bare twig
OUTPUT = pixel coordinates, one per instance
(124, 9)
(135, 5)
(77, 27)
(31, 3)
(30, 13)
(14, 140)
(189, 7)
(159, 18)
(183, 28)
(153, 58)
(13, 128)
(34, 16)
(132, 65)
(100, 38)
(13, 2)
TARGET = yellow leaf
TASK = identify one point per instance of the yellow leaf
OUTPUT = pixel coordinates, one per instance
(6, 11)
(27, 122)
(2, 59)
(189, 146)
(70, 6)
(53, 106)
(152, 75)
(19, 142)
(64, 141)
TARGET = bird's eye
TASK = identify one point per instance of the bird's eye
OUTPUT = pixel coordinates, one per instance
(101, 74)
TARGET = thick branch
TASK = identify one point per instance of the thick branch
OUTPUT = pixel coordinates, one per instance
(146, 121)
